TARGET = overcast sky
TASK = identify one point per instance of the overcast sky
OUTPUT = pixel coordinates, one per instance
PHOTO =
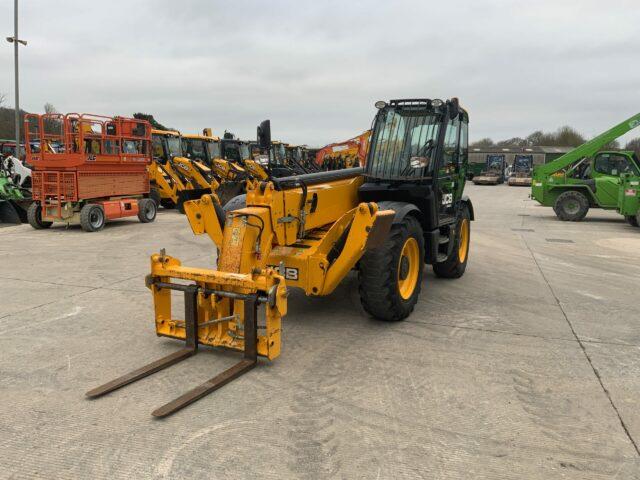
(315, 68)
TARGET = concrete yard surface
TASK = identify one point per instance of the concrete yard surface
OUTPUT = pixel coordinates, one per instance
(527, 367)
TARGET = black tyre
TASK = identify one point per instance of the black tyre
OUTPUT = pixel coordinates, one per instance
(456, 263)
(155, 196)
(92, 217)
(235, 203)
(34, 217)
(147, 209)
(571, 206)
(632, 220)
(390, 276)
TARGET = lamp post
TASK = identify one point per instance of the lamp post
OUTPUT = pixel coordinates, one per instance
(16, 42)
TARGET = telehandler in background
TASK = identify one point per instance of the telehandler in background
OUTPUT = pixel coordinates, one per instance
(587, 178)
(494, 172)
(521, 171)
(404, 209)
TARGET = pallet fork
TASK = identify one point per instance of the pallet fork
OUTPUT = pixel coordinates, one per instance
(250, 356)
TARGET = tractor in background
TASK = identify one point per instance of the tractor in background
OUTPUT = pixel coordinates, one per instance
(521, 171)
(14, 200)
(494, 172)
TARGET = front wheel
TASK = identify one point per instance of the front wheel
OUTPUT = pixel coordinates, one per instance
(571, 206)
(456, 263)
(92, 217)
(390, 276)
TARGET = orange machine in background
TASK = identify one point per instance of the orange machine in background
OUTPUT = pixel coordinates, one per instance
(97, 170)
(347, 154)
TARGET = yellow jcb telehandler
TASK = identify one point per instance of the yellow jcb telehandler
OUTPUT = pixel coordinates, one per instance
(404, 209)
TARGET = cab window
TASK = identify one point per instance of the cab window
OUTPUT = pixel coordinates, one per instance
(157, 147)
(613, 164)
(450, 154)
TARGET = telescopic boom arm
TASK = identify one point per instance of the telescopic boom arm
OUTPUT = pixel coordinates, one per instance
(589, 148)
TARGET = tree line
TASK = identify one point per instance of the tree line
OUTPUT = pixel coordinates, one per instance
(563, 137)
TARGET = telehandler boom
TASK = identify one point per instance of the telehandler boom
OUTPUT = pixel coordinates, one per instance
(404, 209)
(586, 177)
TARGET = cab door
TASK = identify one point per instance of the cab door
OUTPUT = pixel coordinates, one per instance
(449, 172)
(606, 171)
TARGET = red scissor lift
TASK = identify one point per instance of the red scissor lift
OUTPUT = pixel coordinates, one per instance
(88, 169)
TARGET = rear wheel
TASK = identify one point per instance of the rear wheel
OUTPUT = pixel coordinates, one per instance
(456, 263)
(147, 210)
(92, 217)
(390, 276)
(632, 220)
(571, 206)
(34, 217)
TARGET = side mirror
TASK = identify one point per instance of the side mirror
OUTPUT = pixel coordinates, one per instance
(264, 135)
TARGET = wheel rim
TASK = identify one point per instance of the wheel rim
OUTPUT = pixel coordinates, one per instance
(572, 207)
(150, 210)
(408, 268)
(463, 245)
(96, 218)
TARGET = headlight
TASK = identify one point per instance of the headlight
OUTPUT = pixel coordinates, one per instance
(380, 104)
(437, 103)
(262, 160)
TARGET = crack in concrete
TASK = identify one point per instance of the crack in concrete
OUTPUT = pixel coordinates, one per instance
(584, 350)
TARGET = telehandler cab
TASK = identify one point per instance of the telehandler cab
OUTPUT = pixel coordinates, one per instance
(404, 209)
(587, 178)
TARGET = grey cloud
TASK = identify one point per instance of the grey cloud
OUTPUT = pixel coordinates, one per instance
(316, 67)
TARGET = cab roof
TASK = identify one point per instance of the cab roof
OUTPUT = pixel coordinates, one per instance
(169, 133)
(202, 137)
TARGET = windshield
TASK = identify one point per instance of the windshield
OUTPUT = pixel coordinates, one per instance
(522, 162)
(403, 137)
(494, 162)
(174, 146)
(194, 149)
(232, 151)
(214, 149)
(296, 154)
(279, 152)
(244, 151)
